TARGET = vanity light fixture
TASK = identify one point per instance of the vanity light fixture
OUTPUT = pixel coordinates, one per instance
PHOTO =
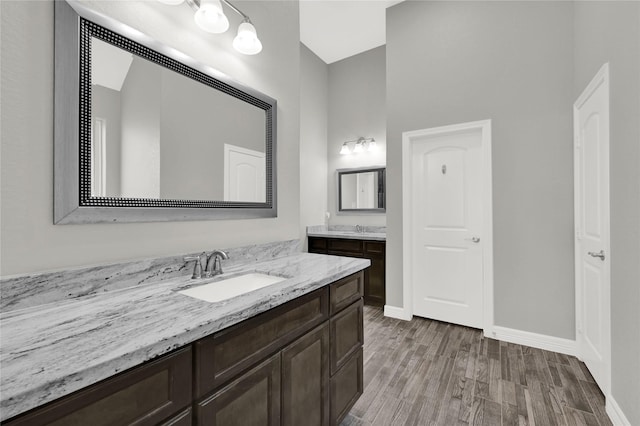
(210, 17)
(360, 145)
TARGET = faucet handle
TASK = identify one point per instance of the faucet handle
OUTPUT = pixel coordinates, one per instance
(197, 267)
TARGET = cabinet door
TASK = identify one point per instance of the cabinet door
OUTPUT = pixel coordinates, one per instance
(374, 291)
(144, 395)
(182, 419)
(253, 399)
(346, 387)
(305, 379)
(346, 334)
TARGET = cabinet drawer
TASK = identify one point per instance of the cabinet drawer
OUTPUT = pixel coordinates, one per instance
(317, 245)
(253, 399)
(144, 395)
(346, 334)
(346, 246)
(374, 247)
(227, 353)
(346, 291)
(346, 387)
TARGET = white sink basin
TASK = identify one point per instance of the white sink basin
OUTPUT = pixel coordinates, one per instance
(231, 287)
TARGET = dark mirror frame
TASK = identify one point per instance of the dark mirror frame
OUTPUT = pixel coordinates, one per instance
(75, 25)
(382, 188)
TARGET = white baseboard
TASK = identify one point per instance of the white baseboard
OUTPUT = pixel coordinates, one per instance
(535, 340)
(395, 312)
(615, 413)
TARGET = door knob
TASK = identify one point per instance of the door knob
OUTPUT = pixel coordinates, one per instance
(600, 254)
(473, 240)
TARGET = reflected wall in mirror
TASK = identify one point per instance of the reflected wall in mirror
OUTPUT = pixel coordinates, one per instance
(153, 135)
(361, 190)
(159, 134)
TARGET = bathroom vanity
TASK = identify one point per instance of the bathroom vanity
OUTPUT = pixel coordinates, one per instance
(366, 245)
(287, 354)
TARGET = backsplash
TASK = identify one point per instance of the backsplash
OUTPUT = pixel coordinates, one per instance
(38, 289)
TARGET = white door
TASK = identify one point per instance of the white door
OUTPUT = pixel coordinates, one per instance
(447, 224)
(591, 142)
(365, 187)
(244, 174)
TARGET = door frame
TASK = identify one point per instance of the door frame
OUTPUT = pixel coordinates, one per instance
(487, 209)
(600, 79)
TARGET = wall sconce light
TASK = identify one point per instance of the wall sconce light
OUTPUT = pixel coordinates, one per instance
(210, 17)
(359, 145)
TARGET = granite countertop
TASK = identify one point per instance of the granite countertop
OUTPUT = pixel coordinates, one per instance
(374, 236)
(377, 233)
(51, 350)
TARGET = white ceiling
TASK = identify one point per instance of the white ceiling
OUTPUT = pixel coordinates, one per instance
(337, 29)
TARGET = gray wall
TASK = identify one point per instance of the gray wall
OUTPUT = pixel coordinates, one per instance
(196, 122)
(314, 91)
(140, 153)
(357, 107)
(512, 62)
(30, 242)
(610, 32)
(105, 103)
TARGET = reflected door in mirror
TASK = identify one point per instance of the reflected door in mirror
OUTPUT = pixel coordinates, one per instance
(244, 174)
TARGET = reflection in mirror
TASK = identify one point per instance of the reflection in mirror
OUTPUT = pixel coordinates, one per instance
(361, 189)
(159, 134)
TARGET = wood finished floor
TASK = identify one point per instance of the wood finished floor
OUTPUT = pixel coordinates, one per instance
(425, 372)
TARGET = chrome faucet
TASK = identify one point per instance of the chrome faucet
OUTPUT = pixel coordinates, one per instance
(214, 263)
(359, 229)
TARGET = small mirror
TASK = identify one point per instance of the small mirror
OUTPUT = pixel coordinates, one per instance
(361, 190)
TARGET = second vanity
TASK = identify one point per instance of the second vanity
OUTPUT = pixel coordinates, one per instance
(289, 353)
(345, 241)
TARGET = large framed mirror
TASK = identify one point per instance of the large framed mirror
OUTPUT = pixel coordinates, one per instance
(144, 133)
(361, 190)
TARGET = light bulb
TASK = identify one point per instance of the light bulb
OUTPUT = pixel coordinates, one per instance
(246, 41)
(372, 145)
(211, 18)
(345, 149)
(358, 148)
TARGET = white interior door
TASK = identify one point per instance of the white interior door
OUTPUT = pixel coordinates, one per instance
(591, 127)
(447, 224)
(244, 174)
(365, 187)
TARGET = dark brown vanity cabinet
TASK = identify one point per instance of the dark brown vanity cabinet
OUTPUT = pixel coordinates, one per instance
(158, 392)
(297, 364)
(374, 276)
